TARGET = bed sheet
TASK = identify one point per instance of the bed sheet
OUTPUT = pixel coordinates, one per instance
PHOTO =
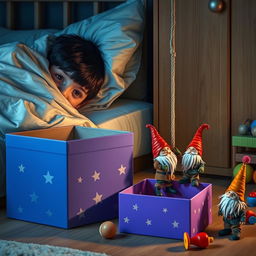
(29, 98)
(127, 115)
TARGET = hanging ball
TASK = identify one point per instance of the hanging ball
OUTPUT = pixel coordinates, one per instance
(107, 229)
(216, 5)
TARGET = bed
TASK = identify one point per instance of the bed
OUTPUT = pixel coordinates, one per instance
(128, 105)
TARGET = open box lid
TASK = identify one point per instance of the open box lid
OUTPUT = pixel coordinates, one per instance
(69, 139)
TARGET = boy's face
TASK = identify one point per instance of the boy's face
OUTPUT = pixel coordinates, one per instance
(72, 91)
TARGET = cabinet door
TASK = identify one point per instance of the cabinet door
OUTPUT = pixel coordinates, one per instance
(202, 80)
(243, 58)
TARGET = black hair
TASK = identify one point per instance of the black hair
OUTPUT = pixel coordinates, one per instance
(80, 58)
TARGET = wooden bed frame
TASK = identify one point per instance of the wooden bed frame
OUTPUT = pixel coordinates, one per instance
(11, 12)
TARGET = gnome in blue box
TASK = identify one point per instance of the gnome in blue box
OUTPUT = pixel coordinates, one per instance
(232, 204)
(165, 162)
(192, 162)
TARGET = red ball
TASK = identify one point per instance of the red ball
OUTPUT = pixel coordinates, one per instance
(107, 229)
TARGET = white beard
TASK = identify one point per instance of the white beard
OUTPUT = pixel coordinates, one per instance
(230, 204)
(191, 161)
(169, 160)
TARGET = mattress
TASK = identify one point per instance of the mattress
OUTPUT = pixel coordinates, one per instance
(127, 115)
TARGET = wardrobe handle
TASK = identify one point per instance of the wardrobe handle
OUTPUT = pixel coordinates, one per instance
(216, 5)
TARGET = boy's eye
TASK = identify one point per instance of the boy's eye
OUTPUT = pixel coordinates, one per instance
(77, 93)
(59, 77)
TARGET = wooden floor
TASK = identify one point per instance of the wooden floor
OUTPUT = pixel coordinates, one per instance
(88, 238)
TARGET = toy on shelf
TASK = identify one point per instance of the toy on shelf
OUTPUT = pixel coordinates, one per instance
(192, 162)
(253, 128)
(165, 162)
(108, 229)
(245, 128)
(251, 199)
(201, 240)
(243, 145)
(250, 217)
(232, 204)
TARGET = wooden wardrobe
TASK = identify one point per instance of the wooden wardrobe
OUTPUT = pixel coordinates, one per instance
(215, 74)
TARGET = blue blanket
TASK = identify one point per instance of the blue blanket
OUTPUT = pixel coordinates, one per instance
(29, 99)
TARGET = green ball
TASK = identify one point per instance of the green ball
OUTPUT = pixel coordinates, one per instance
(249, 171)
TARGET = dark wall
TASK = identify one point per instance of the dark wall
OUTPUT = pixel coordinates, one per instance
(52, 13)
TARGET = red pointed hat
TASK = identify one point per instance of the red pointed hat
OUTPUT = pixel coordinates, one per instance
(197, 139)
(158, 143)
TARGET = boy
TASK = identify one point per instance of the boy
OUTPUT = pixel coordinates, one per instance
(77, 68)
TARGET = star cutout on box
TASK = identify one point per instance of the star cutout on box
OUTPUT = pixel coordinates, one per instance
(149, 222)
(49, 213)
(96, 176)
(97, 198)
(122, 170)
(21, 168)
(175, 224)
(34, 197)
(126, 220)
(48, 178)
(20, 209)
(165, 210)
(80, 180)
(135, 207)
(81, 213)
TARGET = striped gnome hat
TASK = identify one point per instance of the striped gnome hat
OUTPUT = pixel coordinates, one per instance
(158, 143)
(238, 183)
(197, 139)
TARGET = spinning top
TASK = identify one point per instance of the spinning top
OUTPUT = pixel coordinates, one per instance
(107, 229)
(201, 240)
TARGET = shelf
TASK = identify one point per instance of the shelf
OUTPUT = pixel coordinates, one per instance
(244, 141)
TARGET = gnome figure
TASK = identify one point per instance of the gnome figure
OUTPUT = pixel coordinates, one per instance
(232, 205)
(165, 162)
(192, 162)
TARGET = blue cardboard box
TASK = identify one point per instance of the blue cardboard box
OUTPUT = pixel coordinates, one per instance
(142, 212)
(67, 176)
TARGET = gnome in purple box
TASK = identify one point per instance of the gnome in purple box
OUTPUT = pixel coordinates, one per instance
(192, 162)
(232, 204)
(165, 162)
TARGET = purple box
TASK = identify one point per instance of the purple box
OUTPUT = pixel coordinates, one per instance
(67, 176)
(141, 212)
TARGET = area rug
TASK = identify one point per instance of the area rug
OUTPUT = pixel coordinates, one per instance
(12, 248)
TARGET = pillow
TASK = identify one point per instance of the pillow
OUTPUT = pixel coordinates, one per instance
(118, 32)
(25, 36)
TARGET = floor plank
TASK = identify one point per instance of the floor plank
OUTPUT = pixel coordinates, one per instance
(88, 237)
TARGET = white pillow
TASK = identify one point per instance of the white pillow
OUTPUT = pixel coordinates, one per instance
(118, 32)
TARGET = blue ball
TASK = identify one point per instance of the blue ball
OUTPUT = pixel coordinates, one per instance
(253, 124)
